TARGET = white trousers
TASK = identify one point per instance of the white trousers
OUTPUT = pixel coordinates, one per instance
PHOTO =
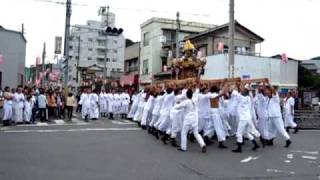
(138, 115)
(18, 114)
(133, 110)
(289, 122)
(176, 120)
(185, 129)
(263, 127)
(243, 131)
(85, 111)
(276, 125)
(219, 126)
(233, 122)
(27, 115)
(7, 114)
(164, 123)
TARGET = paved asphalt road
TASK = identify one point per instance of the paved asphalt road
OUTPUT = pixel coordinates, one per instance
(119, 150)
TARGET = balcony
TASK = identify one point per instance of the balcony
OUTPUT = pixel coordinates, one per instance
(132, 69)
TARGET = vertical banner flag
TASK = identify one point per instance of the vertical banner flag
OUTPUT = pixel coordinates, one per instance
(220, 47)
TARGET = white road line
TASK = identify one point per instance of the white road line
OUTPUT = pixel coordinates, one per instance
(59, 121)
(309, 157)
(71, 130)
(121, 123)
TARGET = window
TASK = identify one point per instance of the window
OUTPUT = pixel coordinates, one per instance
(89, 58)
(145, 67)
(70, 38)
(108, 60)
(89, 49)
(90, 39)
(114, 60)
(119, 70)
(115, 51)
(77, 57)
(115, 41)
(70, 57)
(146, 39)
(70, 47)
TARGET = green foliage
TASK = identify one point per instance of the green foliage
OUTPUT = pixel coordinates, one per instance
(308, 79)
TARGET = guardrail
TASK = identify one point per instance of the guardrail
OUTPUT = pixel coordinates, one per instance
(307, 119)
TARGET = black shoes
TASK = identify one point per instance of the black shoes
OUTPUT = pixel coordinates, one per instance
(207, 141)
(238, 149)
(204, 149)
(296, 130)
(255, 145)
(288, 142)
(174, 143)
(222, 146)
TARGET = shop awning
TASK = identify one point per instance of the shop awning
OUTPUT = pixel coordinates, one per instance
(130, 79)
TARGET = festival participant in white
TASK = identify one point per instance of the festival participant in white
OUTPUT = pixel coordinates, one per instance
(103, 103)
(18, 101)
(28, 105)
(147, 110)
(156, 113)
(289, 113)
(176, 116)
(94, 105)
(125, 101)
(7, 107)
(85, 104)
(164, 119)
(218, 125)
(190, 122)
(244, 111)
(276, 125)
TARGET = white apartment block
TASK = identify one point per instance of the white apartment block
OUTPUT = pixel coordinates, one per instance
(156, 33)
(88, 47)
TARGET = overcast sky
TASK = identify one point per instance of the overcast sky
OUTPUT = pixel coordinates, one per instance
(290, 26)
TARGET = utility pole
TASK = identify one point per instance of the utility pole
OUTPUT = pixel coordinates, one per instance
(106, 51)
(177, 34)
(78, 59)
(231, 39)
(66, 40)
(43, 64)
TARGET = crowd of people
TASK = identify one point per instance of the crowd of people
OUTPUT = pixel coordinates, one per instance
(195, 111)
(201, 112)
(27, 105)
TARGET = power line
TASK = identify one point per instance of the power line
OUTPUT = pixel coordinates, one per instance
(126, 9)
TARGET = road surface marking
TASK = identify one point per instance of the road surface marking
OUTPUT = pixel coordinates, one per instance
(309, 157)
(122, 123)
(249, 159)
(59, 121)
(71, 130)
(287, 161)
(289, 156)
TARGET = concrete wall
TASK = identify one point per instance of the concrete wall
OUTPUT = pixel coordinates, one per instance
(279, 73)
(13, 49)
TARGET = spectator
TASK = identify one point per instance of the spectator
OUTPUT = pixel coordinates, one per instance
(52, 104)
(42, 105)
(70, 103)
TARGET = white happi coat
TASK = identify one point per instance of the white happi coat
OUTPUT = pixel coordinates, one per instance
(94, 109)
(110, 99)
(147, 111)
(7, 107)
(203, 111)
(125, 101)
(134, 106)
(18, 102)
(28, 105)
(176, 116)
(103, 102)
(164, 118)
(141, 102)
(85, 102)
(289, 113)
(156, 110)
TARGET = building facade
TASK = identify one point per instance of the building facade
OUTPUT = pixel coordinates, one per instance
(157, 33)
(13, 51)
(89, 46)
(131, 65)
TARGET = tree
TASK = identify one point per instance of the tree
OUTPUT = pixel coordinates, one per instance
(129, 42)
